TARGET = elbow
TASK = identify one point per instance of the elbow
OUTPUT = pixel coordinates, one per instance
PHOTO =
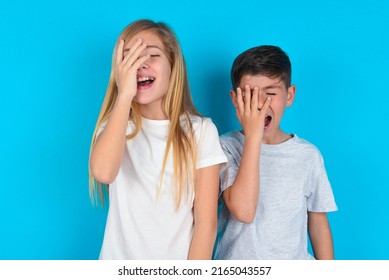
(102, 175)
(241, 209)
(242, 202)
(245, 216)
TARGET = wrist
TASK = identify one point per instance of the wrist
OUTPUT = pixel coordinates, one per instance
(123, 100)
(125, 95)
(252, 136)
(253, 144)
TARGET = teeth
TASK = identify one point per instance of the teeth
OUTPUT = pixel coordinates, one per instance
(143, 79)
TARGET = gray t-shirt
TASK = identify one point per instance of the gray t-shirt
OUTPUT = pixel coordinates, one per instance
(293, 180)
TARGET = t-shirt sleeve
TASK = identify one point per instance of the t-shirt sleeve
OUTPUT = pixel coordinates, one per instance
(209, 150)
(321, 198)
(101, 128)
(228, 172)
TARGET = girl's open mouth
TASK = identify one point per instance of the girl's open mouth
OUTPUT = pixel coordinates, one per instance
(145, 82)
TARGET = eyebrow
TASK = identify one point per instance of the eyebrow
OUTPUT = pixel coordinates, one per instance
(272, 87)
(148, 47)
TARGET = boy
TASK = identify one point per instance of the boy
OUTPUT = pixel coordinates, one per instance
(275, 187)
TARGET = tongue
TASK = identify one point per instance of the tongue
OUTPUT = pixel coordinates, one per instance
(145, 83)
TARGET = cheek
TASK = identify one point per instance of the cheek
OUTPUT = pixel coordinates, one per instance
(164, 78)
(278, 105)
(166, 73)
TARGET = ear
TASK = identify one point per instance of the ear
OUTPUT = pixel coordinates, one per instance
(291, 94)
(233, 98)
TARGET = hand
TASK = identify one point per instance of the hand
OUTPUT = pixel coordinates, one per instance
(250, 116)
(127, 66)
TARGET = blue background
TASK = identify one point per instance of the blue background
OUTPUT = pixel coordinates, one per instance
(55, 62)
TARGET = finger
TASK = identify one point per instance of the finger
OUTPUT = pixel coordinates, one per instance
(247, 98)
(239, 99)
(233, 96)
(254, 100)
(238, 116)
(138, 63)
(119, 52)
(133, 54)
(265, 107)
(131, 50)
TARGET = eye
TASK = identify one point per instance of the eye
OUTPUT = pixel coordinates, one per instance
(154, 55)
(270, 93)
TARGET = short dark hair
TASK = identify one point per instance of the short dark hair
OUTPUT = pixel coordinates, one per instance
(266, 60)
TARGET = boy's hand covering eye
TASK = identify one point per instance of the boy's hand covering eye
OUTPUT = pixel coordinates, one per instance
(248, 111)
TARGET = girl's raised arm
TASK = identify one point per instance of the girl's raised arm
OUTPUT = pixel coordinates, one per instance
(107, 153)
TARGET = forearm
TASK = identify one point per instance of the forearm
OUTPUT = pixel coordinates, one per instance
(243, 195)
(203, 240)
(107, 153)
(205, 212)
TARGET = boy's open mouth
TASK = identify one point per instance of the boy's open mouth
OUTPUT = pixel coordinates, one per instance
(267, 121)
(145, 81)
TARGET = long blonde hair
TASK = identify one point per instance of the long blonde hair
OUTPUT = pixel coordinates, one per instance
(177, 104)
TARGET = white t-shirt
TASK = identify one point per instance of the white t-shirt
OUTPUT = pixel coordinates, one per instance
(140, 225)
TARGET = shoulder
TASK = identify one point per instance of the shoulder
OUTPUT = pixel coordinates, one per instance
(307, 148)
(199, 124)
(200, 121)
(233, 138)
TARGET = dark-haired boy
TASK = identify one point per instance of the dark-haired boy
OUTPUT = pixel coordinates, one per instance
(275, 188)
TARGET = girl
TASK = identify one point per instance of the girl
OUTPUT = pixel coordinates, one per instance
(159, 157)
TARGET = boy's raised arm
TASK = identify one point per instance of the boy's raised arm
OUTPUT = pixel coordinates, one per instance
(242, 197)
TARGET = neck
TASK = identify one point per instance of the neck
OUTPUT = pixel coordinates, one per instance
(152, 113)
(276, 138)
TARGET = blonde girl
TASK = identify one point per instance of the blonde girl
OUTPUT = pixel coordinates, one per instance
(159, 157)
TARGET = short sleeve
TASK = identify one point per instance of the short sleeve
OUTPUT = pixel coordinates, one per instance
(321, 198)
(101, 128)
(209, 150)
(228, 173)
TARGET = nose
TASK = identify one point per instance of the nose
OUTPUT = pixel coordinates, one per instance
(144, 65)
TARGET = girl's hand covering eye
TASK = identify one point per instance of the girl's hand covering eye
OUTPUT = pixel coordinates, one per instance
(128, 61)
